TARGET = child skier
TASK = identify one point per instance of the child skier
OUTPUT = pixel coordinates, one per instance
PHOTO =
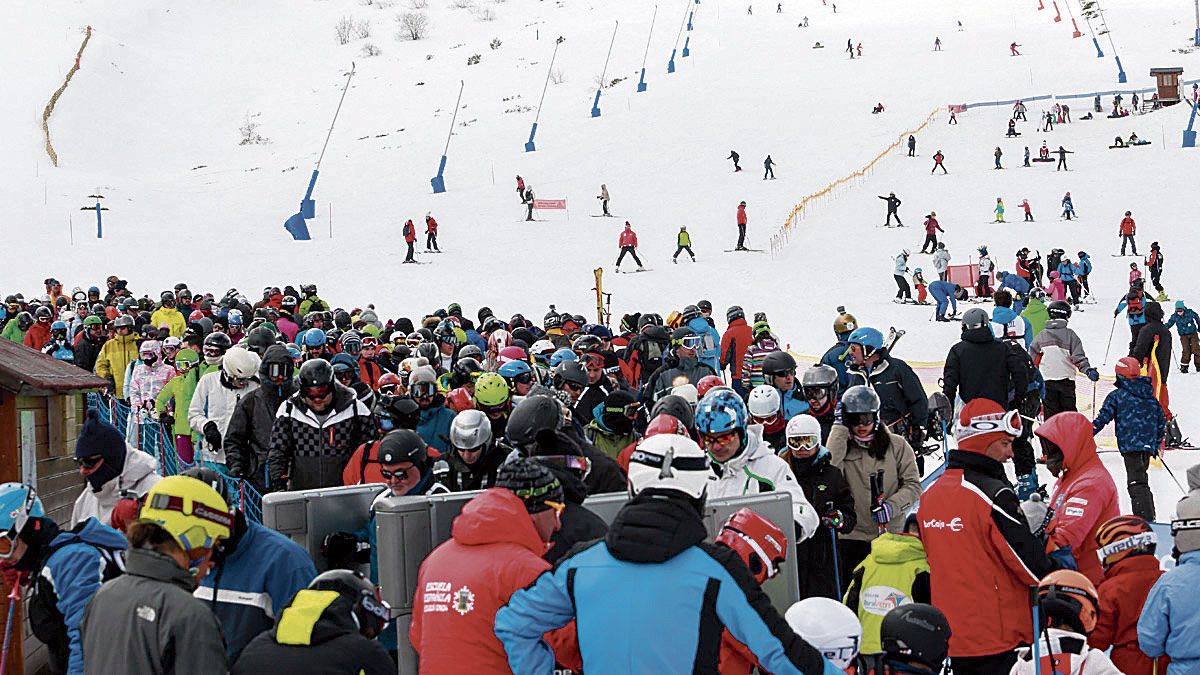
(1134, 273)
(1069, 606)
(938, 157)
(683, 242)
(1068, 207)
(915, 638)
(895, 572)
(1141, 424)
(1186, 323)
(1025, 202)
(1127, 545)
(919, 284)
(999, 210)
(826, 489)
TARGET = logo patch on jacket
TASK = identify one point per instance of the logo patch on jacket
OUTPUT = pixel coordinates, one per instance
(464, 600)
(883, 599)
(146, 613)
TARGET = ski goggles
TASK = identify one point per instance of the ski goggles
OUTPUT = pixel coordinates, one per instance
(8, 543)
(370, 342)
(765, 421)
(718, 439)
(352, 347)
(276, 370)
(399, 474)
(214, 352)
(591, 360)
(690, 341)
(423, 389)
(572, 386)
(523, 378)
(1007, 422)
(1178, 526)
(815, 393)
(1140, 540)
(316, 392)
(786, 372)
(860, 419)
(629, 410)
(803, 442)
(89, 462)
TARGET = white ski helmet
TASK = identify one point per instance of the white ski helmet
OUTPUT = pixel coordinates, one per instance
(687, 392)
(470, 430)
(669, 462)
(240, 363)
(764, 401)
(801, 426)
(829, 626)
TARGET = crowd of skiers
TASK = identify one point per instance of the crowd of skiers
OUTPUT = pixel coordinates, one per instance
(288, 393)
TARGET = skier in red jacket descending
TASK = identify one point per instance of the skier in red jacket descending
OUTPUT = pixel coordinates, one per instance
(410, 238)
(628, 244)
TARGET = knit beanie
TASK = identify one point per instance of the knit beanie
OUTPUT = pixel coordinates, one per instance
(974, 432)
(531, 482)
(614, 416)
(97, 437)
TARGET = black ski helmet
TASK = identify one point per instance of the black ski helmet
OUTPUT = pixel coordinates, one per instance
(315, 373)
(777, 362)
(532, 417)
(259, 339)
(430, 351)
(569, 371)
(690, 312)
(734, 312)
(1059, 309)
(403, 445)
(371, 613)
(219, 341)
(918, 631)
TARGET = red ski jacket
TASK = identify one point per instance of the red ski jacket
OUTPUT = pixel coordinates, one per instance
(741, 216)
(430, 226)
(734, 343)
(410, 232)
(493, 552)
(628, 238)
(1122, 594)
(1128, 226)
(982, 556)
(1084, 497)
(931, 226)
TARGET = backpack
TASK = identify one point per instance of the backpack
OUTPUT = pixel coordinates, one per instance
(1135, 302)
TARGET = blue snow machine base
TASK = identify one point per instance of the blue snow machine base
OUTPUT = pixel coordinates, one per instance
(297, 228)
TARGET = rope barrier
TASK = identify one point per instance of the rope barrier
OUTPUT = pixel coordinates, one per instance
(54, 98)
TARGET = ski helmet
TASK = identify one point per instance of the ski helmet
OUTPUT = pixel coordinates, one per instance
(1059, 309)
(917, 631)
(665, 423)
(25, 321)
(470, 430)
(469, 351)
(587, 343)
(870, 339)
(975, 318)
(511, 353)
(829, 626)
(532, 417)
(757, 541)
(371, 612)
(403, 445)
(803, 432)
(690, 312)
(778, 363)
(819, 376)
(860, 405)
(491, 391)
(514, 370)
(722, 412)
(314, 338)
(192, 512)
(706, 384)
(733, 313)
(234, 317)
(1123, 537)
(240, 364)
(764, 403)
(259, 339)
(562, 355)
(430, 352)
(1066, 596)
(18, 503)
(44, 314)
(569, 372)
(1038, 294)
(316, 374)
(1128, 368)
(669, 462)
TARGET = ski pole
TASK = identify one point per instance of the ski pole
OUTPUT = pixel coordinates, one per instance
(14, 595)
(837, 574)
(1163, 459)
(1110, 337)
(1037, 659)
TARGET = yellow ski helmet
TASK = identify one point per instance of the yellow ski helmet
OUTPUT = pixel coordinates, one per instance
(195, 515)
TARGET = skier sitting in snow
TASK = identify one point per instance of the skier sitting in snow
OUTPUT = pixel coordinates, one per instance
(877, 109)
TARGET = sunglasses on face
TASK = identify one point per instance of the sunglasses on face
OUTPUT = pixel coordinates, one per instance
(572, 386)
(790, 372)
(523, 378)
(400, 474)
(343, 375)
(88, 462)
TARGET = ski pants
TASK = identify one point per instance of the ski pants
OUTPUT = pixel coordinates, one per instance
(1156, 278)
(1128, 239)
(1023, 455)
(604, 206)
(1191, 349)
(1135, 329)
(1062, 164)
(983, 665)
(931, 242)
(1138, 484)
(186, 452)
(431, 241)
(943, 302)
(912, 152)
(921, 295)
(892, 214)
(983, 288)
(936, 165)
(1029, 216)
(1083, 284)
(1060, 397)
(741, 235)
(1073, 288)
(768, 170)
(631, 251)
(679, 250)
(521, 194)
(529, 211)
(904, 293)
(851, 553)
(409, 257)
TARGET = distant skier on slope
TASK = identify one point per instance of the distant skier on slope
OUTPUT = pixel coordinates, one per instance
(410, 238)
(521, 189)
(768, 168)
(628, 244)
(1062, 158)
(938, 158)
(603, 197)
(431, 226)
(1012, 49)
(683, 242)
(893, 204)
(741, 224)
(735, 157)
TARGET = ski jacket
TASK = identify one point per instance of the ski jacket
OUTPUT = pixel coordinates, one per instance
(756, 470)
(78, 562)
(1169, 624)
(1084, 497)
(1036, 314)
(315, 304)
(628, 238)
(938, 157)
(901, 265)
(1065, 646)
(895, 573)
(317, 633)
(1141, 422)
(146, 621)
(826, 489)
(138, 475)
(654, 568)
(734, 344)
(683, 238)
(985, 265)
(901, 480)
(434, 424)
(591, 396)
(179, 391)
(254, 584)
(1085, 265)
(1067, 272)
(248, 437)
(893, 203)
(1186, 323)
(605, 439)
(1057, 351)
(493, 551)
(287, 327)
(171, 318)
(1135, 304)
(12, 332)
(979, 366)
(1007, 315)
(1018, 285)
(311, 452)
(941, 260)
(663, 380)
(214, 402)
(741, 215)
(144, 387)
(835, 357)
(971, 513)
(1154, 341)
(430, 226)
(1128, 226)
(115, 356)
(901, 394)
(1122, 595)
(87, 351)
(1154, 263)
(752, 361)
(709, 353)
(37, 336)
(410, 232)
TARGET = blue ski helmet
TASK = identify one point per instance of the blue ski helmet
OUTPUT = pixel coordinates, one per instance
(721, 411)
(514, 369)
(18, 503)
(314, 337)
(869, 338)
(561, 355)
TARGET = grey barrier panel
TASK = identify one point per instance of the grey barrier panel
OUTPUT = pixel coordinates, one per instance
(306, 516)
(784, 589)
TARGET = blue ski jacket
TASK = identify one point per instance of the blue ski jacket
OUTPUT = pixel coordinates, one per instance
(1170, 623)
(1140, 419)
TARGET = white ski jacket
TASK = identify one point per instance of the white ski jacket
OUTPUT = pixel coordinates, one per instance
(758, 470)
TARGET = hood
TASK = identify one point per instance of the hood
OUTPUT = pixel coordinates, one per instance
(276, 353)
(315, 617)
(1153, 311)
(981, 335)
(1072, 432)
(894, 549)
(814, 464)
(1193, 477)
(1003, 314)
(97, 437)
(496, 516)
(1138, 386)
(91, 531)
(740, 321)
(654, 528)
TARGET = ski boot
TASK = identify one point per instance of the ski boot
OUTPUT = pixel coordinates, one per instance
(1162, 296)
(1027, 485)
(1183, 368)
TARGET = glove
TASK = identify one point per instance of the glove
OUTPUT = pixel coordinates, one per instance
(212, 435)
(1092, 374)
(166, 419)
(1116, 313)
(1064, 558)
(882, 513)
(833, 519)
(343, 550)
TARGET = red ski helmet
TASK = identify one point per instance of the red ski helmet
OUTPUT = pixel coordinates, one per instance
(708, 382)
(758, 541)
(1128, 367)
